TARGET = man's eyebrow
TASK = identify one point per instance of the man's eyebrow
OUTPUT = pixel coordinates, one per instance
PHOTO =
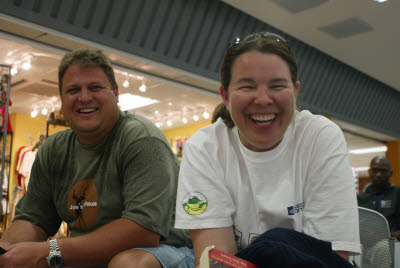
(245, 80)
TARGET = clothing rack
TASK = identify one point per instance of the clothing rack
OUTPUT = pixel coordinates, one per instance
(5, 76)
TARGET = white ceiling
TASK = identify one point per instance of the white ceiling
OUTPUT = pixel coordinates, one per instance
(183, 94)
(374, 52)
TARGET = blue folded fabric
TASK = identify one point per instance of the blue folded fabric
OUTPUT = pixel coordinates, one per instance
(281, 248)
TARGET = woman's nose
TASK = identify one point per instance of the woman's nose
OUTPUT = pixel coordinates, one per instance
(263, 97)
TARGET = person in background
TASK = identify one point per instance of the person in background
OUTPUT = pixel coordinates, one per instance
(381, 195)
(269, 165)
(111, 177)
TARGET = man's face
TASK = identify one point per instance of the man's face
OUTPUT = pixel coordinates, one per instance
(89, 103)
(380, 171)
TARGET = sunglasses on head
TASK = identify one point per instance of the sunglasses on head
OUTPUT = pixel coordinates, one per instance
(256, 36)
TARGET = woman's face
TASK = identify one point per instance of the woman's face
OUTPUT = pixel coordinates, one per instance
(261, 99)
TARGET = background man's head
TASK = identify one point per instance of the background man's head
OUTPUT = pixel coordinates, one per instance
(380, 170)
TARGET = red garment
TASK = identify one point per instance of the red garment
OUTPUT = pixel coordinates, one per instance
(3, 111)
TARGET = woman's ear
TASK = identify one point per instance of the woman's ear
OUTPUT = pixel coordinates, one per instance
(225, 97)
(297, 89)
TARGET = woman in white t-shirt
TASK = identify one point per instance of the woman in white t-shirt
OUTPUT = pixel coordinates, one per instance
(264, 164)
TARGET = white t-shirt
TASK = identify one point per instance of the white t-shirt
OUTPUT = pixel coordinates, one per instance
(305, 183)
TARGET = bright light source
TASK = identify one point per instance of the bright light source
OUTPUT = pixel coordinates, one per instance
(206, 115)
(126, 83)
(14, 71)
(184, 120)
(380, 1)
(169, 103)
(195, 117)
(369, 150)
(159, 124)
(27, 65)
(358, 169)
(129, 101)
(156, 112)
(44, 111)
(54, 98)
(169, 123)
(34, 113)
(143, 88)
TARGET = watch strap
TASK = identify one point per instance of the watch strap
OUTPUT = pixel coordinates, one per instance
(53, 245)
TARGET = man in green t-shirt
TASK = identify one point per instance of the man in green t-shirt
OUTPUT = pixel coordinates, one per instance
(112, 178)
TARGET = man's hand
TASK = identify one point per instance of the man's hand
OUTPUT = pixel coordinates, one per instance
(25, 254)
(396, 235)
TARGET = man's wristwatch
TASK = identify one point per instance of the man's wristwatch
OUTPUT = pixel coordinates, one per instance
(55, 258)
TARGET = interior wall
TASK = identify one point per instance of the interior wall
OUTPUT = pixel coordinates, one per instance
(393, 153)
(26, 133)
(183, 132)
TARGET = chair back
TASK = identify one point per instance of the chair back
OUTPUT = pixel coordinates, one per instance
(375, 239)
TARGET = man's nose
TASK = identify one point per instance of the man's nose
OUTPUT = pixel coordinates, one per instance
(84, 94)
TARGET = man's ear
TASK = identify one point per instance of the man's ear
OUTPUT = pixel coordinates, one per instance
(116, 93)
(225, 97)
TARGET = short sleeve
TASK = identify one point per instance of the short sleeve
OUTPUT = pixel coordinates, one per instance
(150, 173)
(331, 211)
(37, 205)
(203, 200)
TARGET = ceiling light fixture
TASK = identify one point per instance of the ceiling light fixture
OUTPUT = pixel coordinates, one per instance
(34, 113)
(126, 83)
(156, 112)
(380, 1)
(44, 111)
(195, 117)
(159, 124)
(27, 65)
(143, 88)
(358, 169)
(184, 120)
(369, 150)
(206, 115)
(169, 123)
(129, 101)
(14, 71)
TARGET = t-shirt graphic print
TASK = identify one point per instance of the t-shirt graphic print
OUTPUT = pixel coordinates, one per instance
(82, 203)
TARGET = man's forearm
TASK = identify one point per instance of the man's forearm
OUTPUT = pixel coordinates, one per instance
(98, 247)
(23, 231)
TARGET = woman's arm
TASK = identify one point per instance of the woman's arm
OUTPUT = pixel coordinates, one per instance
(222, 239)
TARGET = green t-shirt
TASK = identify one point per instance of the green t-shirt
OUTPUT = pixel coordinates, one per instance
(132, 173)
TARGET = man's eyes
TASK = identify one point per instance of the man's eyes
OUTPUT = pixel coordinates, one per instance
(246, 87)
(72, 90)
(76, 89)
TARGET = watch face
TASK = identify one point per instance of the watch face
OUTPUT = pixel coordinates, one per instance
(56, 261)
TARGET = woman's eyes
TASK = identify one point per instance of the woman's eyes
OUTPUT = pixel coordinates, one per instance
(273, 87)
(277, 87)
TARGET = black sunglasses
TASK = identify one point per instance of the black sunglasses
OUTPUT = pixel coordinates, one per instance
(256, 36)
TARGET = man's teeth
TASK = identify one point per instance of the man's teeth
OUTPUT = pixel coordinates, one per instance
(263, 120)
(88, 110)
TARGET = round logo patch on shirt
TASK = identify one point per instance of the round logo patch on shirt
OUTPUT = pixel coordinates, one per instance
(82, 203)
(195, 203)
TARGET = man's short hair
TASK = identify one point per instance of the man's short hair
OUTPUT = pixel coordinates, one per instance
(86, 57)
